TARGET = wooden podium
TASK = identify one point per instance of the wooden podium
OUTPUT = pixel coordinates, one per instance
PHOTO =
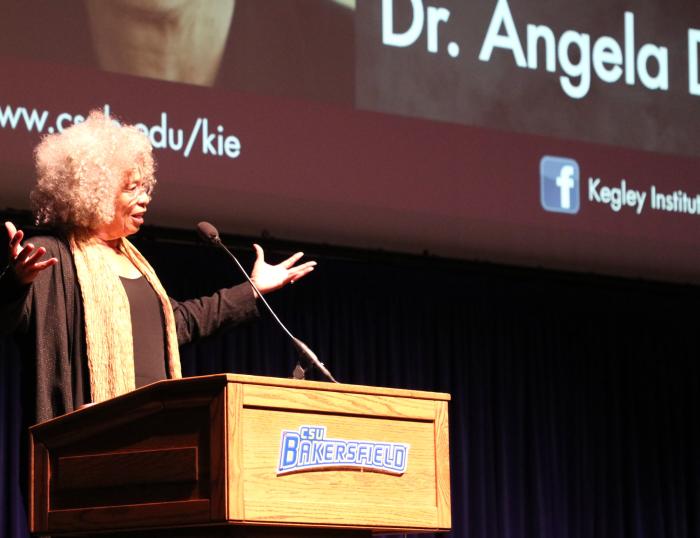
(236, 455)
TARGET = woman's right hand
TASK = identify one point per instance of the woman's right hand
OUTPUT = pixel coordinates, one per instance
(26, 261)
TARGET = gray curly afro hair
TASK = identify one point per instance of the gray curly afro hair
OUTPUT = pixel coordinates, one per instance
(81, 170)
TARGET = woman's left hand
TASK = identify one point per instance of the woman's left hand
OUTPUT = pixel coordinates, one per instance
(269, 278)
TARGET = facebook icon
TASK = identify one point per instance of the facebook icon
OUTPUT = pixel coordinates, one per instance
(559, 184)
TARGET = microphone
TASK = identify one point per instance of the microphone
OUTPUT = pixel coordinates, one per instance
(210, 234)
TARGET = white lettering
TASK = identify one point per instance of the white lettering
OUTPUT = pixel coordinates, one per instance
(616, 197)
(436, 15)
(607, 59)
(565, 182)
(62, 119)
(158, 133)
(629, 48)
(593, 195)
(693, 79)
(502, 17)
(581, 70)
(407, 38)
(660, 54)
(534, 34)
(606, 51)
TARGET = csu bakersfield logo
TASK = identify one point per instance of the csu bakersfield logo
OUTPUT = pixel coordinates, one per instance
(560, 189)
(308, 449)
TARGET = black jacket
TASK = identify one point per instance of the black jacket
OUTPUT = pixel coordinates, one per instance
(47, 317)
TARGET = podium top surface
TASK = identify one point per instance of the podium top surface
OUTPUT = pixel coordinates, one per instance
(168, 385)
(335, 387)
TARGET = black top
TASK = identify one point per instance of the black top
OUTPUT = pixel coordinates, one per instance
(147, 327)
(47, 318)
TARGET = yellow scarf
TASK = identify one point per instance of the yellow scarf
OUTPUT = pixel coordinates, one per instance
(108, 332)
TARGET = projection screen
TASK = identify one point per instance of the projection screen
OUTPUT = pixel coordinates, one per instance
(556, 134)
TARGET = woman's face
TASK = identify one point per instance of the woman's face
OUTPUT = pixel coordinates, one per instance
(129, 209)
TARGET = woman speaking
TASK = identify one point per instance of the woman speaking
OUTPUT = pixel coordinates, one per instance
(89, 310)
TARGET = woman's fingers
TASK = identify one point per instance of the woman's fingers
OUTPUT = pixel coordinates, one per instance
(34, 263)
(272, 277)
(28, 264)
(15, 237)
(16, 244)
(259, 253)
(34, 256)
(303, 266)
(294, 258)
(21, 258)
(301, 271)
(11, 230)
(40, 266)
(26, 261)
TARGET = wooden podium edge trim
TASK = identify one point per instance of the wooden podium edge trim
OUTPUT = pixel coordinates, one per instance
(218, 493)
(39, 470)
(442, 466)
(379, 529)
(73, 520)
(234, 453)
(333, 387)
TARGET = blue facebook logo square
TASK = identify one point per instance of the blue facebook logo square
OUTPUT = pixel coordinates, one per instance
(560, 189)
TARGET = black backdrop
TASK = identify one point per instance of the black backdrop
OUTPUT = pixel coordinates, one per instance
(576, 399)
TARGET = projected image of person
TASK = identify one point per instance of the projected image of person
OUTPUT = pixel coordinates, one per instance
(301, 48)
(90, 312)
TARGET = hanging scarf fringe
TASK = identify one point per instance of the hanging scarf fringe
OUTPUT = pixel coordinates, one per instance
(108, 331)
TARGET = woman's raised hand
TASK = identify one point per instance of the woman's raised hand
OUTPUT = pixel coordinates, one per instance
(269, 278)
(25, 261)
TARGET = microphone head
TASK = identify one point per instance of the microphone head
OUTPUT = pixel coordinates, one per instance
(208, 232)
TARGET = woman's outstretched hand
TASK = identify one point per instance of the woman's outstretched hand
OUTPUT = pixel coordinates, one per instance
(269, 278)
(26, 261)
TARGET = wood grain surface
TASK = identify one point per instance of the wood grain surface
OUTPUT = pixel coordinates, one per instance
(202, 454)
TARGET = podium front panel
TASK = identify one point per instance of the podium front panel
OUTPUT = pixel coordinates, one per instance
(337, 458)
